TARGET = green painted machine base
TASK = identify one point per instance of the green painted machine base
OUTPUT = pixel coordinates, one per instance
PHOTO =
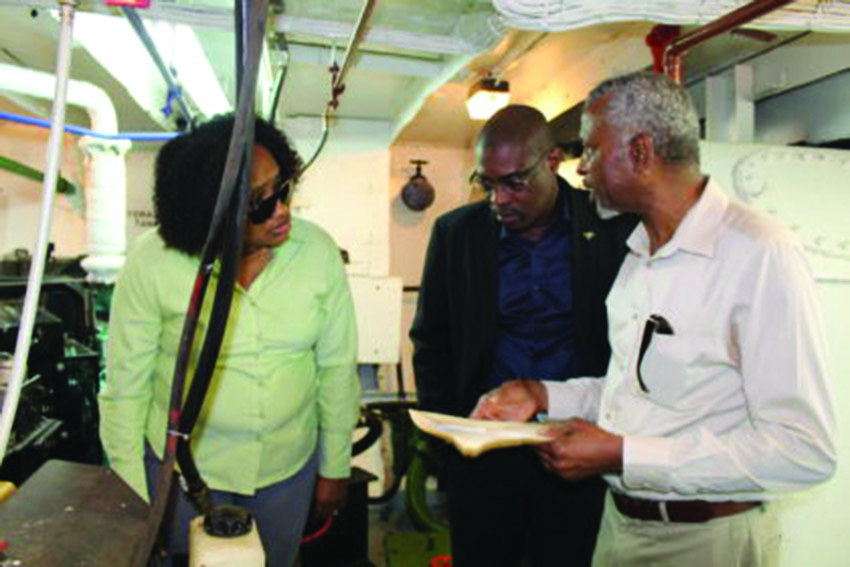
(417, 549)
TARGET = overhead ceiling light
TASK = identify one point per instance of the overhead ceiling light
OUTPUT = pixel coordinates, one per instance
(486, 97)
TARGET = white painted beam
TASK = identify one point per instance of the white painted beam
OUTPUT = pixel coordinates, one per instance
(730, 106)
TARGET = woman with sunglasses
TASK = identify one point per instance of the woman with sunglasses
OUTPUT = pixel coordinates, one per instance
(274, 434)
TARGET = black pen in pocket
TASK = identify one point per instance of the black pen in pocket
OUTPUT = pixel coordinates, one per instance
(655, 324)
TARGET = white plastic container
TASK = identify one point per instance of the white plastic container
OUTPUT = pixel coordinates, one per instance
(210, 551)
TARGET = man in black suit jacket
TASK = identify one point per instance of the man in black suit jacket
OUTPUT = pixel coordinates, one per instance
(515, 287)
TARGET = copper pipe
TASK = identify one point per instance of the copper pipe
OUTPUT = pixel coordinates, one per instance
(747, 13)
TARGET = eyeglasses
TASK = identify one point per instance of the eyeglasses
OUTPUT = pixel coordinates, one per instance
(654, 324)
(513, 182)
(262, 210)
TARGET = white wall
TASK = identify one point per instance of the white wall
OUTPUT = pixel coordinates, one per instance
(816, 113)
(448, 170)
(345, 191)
(140, 173)
(20, 198)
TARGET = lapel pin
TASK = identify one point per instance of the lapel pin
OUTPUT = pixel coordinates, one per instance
(589, 235)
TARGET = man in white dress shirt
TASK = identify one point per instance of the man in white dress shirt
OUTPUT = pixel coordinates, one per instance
(716, 399)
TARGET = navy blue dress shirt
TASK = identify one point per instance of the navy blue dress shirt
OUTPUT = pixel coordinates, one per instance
(536, 336)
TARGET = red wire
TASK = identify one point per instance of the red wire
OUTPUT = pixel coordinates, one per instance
(319, 533)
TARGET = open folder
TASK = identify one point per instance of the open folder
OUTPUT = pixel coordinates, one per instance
(474, 436)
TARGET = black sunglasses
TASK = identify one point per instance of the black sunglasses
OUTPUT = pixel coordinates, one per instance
(262, 210)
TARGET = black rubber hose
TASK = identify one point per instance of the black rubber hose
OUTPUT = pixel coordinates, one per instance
(244, 115)
(326, 128)
(278, 91)
(374, 430)
(197, 489)
(239, 30)
(422, 465)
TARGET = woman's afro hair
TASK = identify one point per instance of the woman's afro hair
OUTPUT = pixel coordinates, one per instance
(188, 177)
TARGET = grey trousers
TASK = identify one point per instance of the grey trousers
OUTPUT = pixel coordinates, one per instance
(280, 511)
(749, 539)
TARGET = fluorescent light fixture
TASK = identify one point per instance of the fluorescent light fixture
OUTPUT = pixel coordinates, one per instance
(179, 46)
(486, 97)
(113, 42)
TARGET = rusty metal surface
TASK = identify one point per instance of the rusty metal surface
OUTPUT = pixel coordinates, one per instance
(72, 515)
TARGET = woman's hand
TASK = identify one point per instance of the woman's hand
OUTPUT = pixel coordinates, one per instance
(329, 496)
(517, 400)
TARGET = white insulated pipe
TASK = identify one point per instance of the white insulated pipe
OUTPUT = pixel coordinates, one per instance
(51, 174)
(106, 175)
(106, 207)
(40, 84)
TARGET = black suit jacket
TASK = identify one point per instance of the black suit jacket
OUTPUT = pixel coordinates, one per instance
(454, 331)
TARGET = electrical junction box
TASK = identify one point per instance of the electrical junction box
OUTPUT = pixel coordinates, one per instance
(377, 303)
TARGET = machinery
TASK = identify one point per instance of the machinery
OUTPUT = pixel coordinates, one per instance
(57, 416)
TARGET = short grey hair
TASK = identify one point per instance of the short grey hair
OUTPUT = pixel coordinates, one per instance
(656, 105)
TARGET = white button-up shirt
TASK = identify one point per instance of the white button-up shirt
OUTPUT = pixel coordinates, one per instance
(735, 403)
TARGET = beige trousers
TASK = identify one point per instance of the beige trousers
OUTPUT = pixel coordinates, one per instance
(749, 539)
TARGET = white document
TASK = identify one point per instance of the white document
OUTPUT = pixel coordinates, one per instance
(474, 436)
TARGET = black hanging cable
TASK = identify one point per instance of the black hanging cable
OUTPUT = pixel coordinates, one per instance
(332, 104)
(326, 119)
(197, 489)
(230, 261)
(231, 248)
(239, 29)
(278, 90)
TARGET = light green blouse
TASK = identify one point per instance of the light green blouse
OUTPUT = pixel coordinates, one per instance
(285, 381)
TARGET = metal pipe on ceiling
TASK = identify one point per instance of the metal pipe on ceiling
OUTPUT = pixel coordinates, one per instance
(747, 13)
(175, 90)
(337, 82)
(353, 44)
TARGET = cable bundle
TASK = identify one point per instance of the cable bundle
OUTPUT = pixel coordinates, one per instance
(562, 15)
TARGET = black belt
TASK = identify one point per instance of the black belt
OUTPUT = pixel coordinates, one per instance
(682, 511)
